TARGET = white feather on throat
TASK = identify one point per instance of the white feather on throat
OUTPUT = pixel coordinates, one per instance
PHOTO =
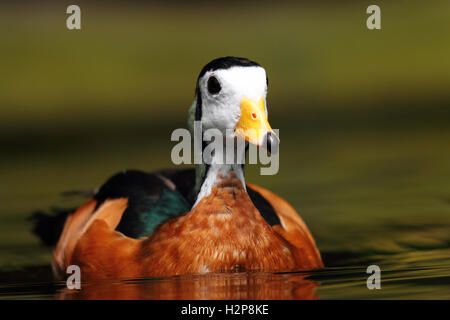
(217, 171)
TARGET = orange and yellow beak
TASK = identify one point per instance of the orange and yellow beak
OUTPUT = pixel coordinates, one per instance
(253, 125)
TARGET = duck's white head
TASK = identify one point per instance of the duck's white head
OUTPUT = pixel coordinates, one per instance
(230, 97)
(231, 94)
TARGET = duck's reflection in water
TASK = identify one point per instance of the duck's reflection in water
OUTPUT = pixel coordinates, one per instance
(212, 286)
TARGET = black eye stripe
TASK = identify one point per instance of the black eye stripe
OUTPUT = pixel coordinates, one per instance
(213, 85)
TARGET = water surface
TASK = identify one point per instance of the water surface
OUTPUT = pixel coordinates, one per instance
(368, 198)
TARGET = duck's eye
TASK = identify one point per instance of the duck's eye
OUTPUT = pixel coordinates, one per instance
(213, 85)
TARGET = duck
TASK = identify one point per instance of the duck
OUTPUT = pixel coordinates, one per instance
(206, 219)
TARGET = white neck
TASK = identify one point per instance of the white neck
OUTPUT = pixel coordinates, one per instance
(216, 168)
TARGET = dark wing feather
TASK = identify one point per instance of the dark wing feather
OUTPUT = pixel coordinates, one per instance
(152, 200)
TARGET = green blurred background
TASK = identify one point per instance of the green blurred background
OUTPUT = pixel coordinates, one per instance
(364, 115)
